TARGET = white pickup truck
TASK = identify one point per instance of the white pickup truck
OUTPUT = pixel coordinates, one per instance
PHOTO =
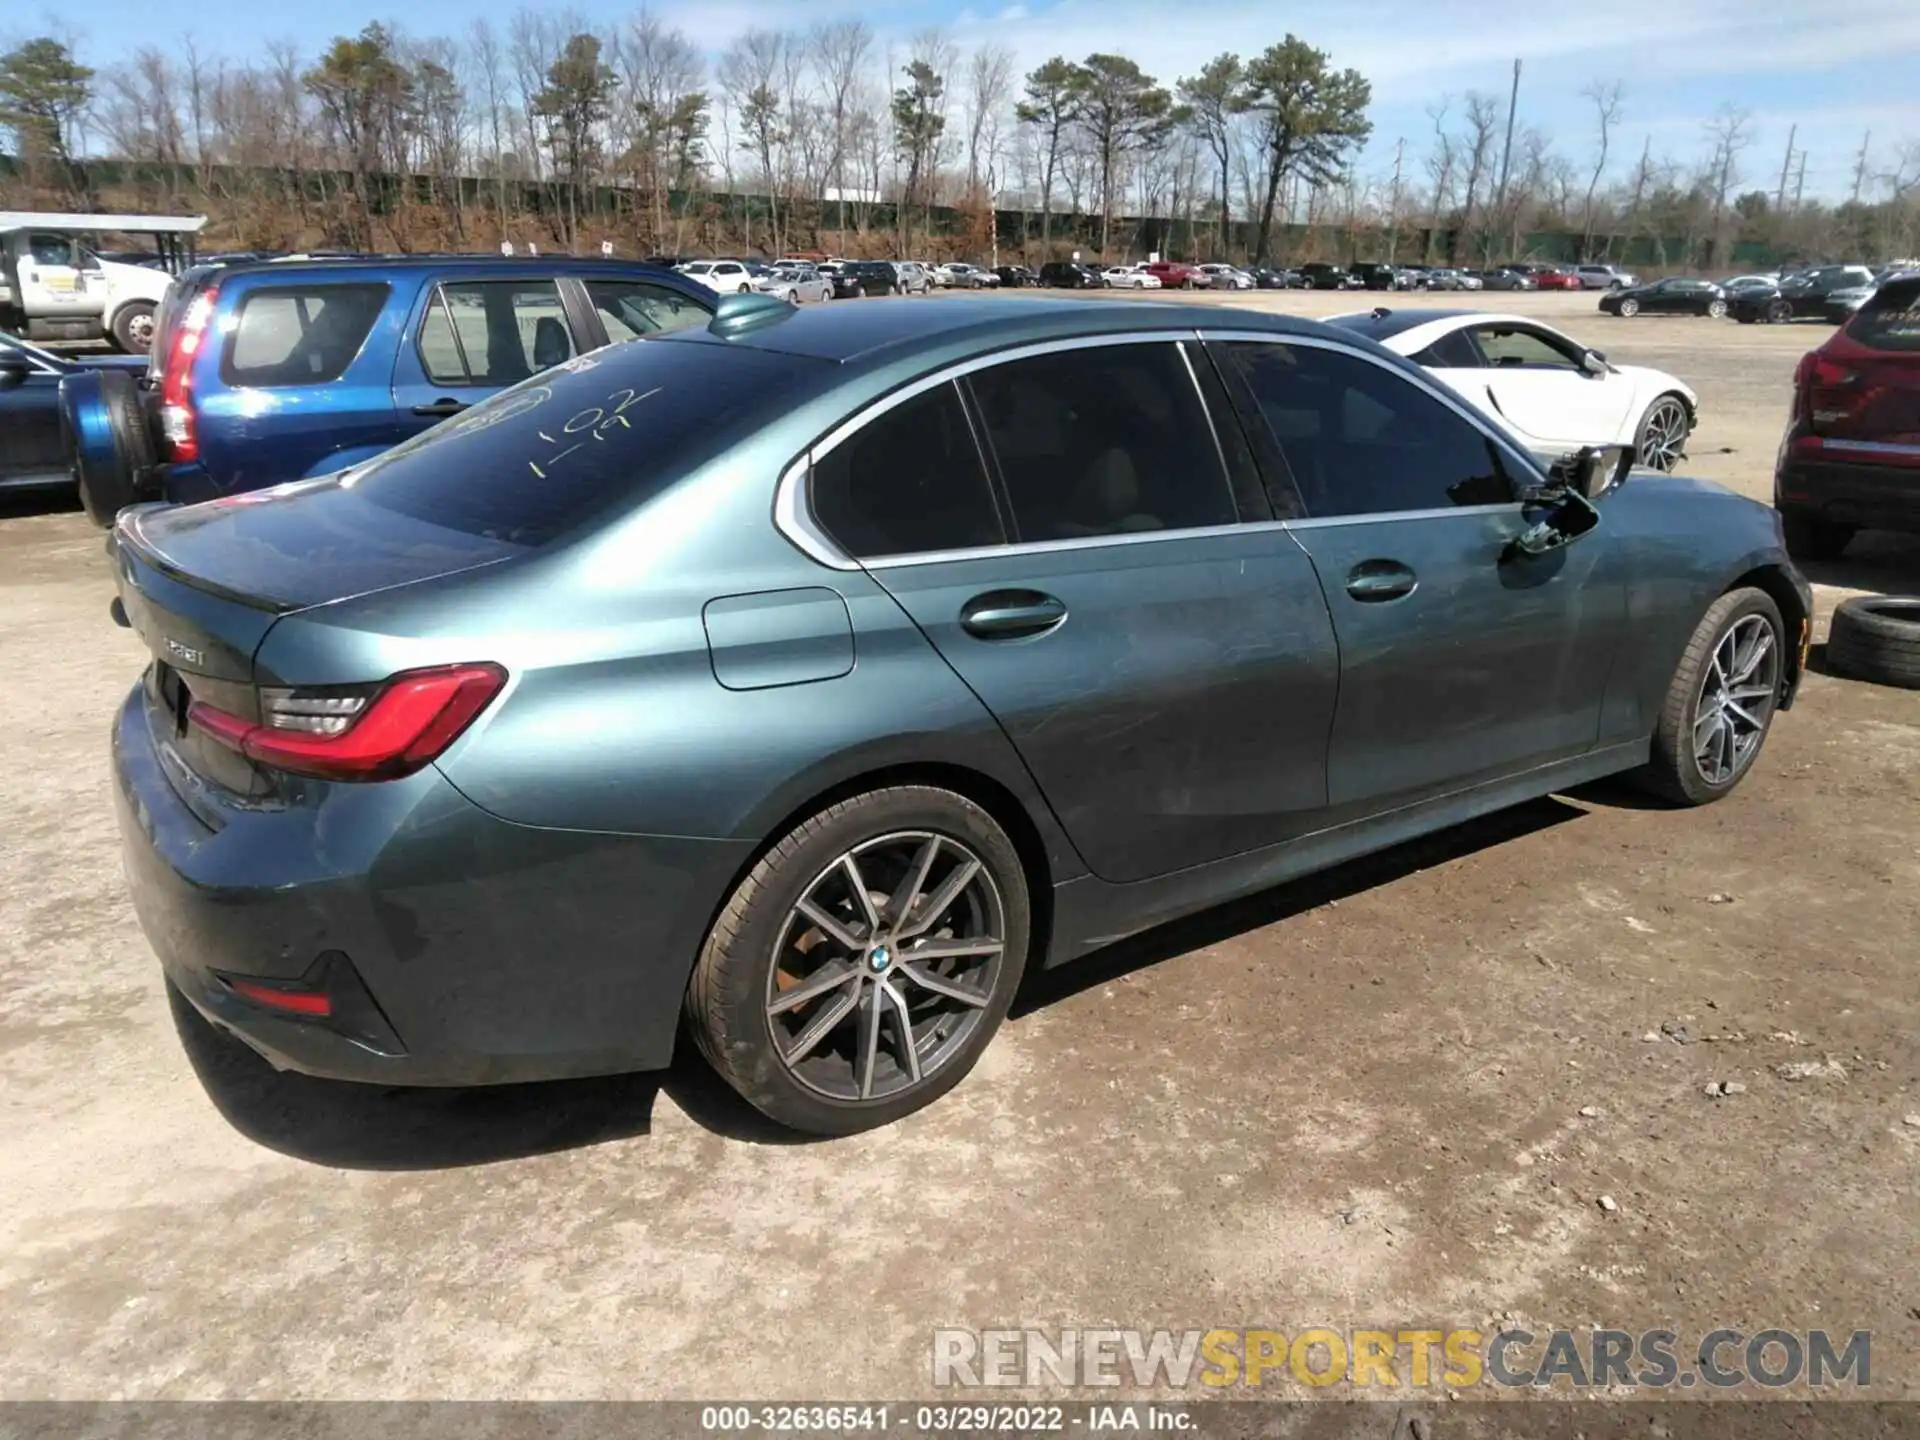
(54, 287)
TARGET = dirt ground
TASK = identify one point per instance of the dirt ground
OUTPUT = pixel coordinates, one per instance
(1393, 1095)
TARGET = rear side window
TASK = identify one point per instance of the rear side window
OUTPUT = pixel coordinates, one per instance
(616, 426)
(632, 308)
(299, 334)
(494, 332)
(909, 481)
(1106, 440)
(1890, 320)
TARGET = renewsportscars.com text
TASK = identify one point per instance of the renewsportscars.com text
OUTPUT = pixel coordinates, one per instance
(1410, 1358)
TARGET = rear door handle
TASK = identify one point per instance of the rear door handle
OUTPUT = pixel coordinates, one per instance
(1011, 614)
(445, 405)
(1372, 581)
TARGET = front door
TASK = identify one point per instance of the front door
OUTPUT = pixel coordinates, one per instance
(1535, 382)
(1459, 662)
(1167, 675)
(53, 284)
(30, 450)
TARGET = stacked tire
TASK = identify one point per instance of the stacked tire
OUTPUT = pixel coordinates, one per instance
(1877, 638)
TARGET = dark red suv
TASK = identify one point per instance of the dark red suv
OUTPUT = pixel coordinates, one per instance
(1851, 457)
(1174, 275)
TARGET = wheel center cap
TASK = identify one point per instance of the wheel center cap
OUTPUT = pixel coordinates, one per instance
(879, 958)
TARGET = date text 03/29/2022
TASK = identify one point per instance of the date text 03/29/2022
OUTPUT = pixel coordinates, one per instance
(945, 1419)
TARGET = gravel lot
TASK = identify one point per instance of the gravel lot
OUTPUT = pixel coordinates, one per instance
(1353, 1101)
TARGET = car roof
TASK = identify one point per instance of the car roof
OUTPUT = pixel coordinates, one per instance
(865, 334)
(466, 264)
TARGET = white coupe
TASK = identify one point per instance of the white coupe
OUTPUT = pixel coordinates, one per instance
(1552, 392)
(1129, 277)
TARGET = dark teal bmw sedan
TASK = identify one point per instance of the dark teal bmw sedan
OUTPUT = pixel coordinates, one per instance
(816, 674)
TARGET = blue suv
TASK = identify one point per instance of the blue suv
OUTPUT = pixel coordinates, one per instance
(279, 370)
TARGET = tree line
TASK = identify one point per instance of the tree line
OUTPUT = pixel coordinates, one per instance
(830, 137)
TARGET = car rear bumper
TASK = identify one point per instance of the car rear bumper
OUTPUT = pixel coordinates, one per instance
(455, 948)
(1848, 485)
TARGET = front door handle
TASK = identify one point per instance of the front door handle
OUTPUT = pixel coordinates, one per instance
(1011, 614)
(1372, 581)
(445, 405)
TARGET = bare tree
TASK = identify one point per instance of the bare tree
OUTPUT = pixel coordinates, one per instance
(1606, 98)
(1483, 122)
(989, 79)
(750, 70)
(840, 54)
(1730, 131)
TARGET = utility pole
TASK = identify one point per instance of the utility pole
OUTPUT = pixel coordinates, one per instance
(1860, 167)
(1506, 150)
(1800, 182)
(1780, 200)
(1393, 205)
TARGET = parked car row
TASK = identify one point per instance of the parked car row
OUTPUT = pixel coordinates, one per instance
(1834, 293)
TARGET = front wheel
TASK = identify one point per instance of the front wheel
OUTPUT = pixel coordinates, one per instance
(1721, 701)
(862, 966)
(1629, 309)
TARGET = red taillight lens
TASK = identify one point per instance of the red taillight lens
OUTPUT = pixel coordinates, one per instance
(177, 428)
(401, 727)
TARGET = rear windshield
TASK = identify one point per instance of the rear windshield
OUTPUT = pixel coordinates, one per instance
(299, 334)
(1890, 320)
(613, 426)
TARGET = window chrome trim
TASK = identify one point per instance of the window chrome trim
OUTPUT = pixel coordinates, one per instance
(1508, 444)
(793, 510)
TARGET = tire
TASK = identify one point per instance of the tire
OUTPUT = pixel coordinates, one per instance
(104, 432)
(1660, 442)
(133, 327)
(859, 292)
(1877, 638)
(1716, 309)
(1746, 317)
(1811, 538)
(1672, 770)
(1779, 312)
(742, 973)
(1629, 308)
(743, 290)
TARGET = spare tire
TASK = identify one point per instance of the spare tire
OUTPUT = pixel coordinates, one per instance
(109, 447)
(1877, 637)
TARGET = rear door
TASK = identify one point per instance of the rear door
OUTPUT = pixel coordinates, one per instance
(30, 449)
(468, 339)
(1166, 672)
(1459, 663)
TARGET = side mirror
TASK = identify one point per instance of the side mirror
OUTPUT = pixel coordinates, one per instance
(1592, 470)
(1594, 362)
(13, 372)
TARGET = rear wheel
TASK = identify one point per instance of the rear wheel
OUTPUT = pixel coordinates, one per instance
(1662, 441)
(133, 327)
(1721, 700)
(862, 966)
(1811, 538)
(1779, 312)
(1716, 309)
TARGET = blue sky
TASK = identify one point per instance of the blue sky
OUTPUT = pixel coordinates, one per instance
(1837, 70)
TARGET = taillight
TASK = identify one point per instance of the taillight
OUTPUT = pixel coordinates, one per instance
(1828, 391)
(379, 732)
(177, 429)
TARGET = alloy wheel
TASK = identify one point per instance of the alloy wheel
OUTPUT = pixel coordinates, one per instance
(885, 966)
(1629, 308)
(1716, 309)
(1735, 704)
(1663, 434)
(140, 330)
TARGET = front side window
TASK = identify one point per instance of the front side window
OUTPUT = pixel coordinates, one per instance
(1363, 440)
(1103, 440)
(1454, 350)
(493, 332)
(299, 334)
(1507, 347)
(908, 481)
(632, 308)
(51, 250)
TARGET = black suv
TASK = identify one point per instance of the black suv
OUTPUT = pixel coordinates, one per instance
(1321, 276)
(1070, 275)
(1800, 296)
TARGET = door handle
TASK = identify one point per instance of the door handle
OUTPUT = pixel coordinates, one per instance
(1011, 614)
(1372, 581)
(445, 405)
